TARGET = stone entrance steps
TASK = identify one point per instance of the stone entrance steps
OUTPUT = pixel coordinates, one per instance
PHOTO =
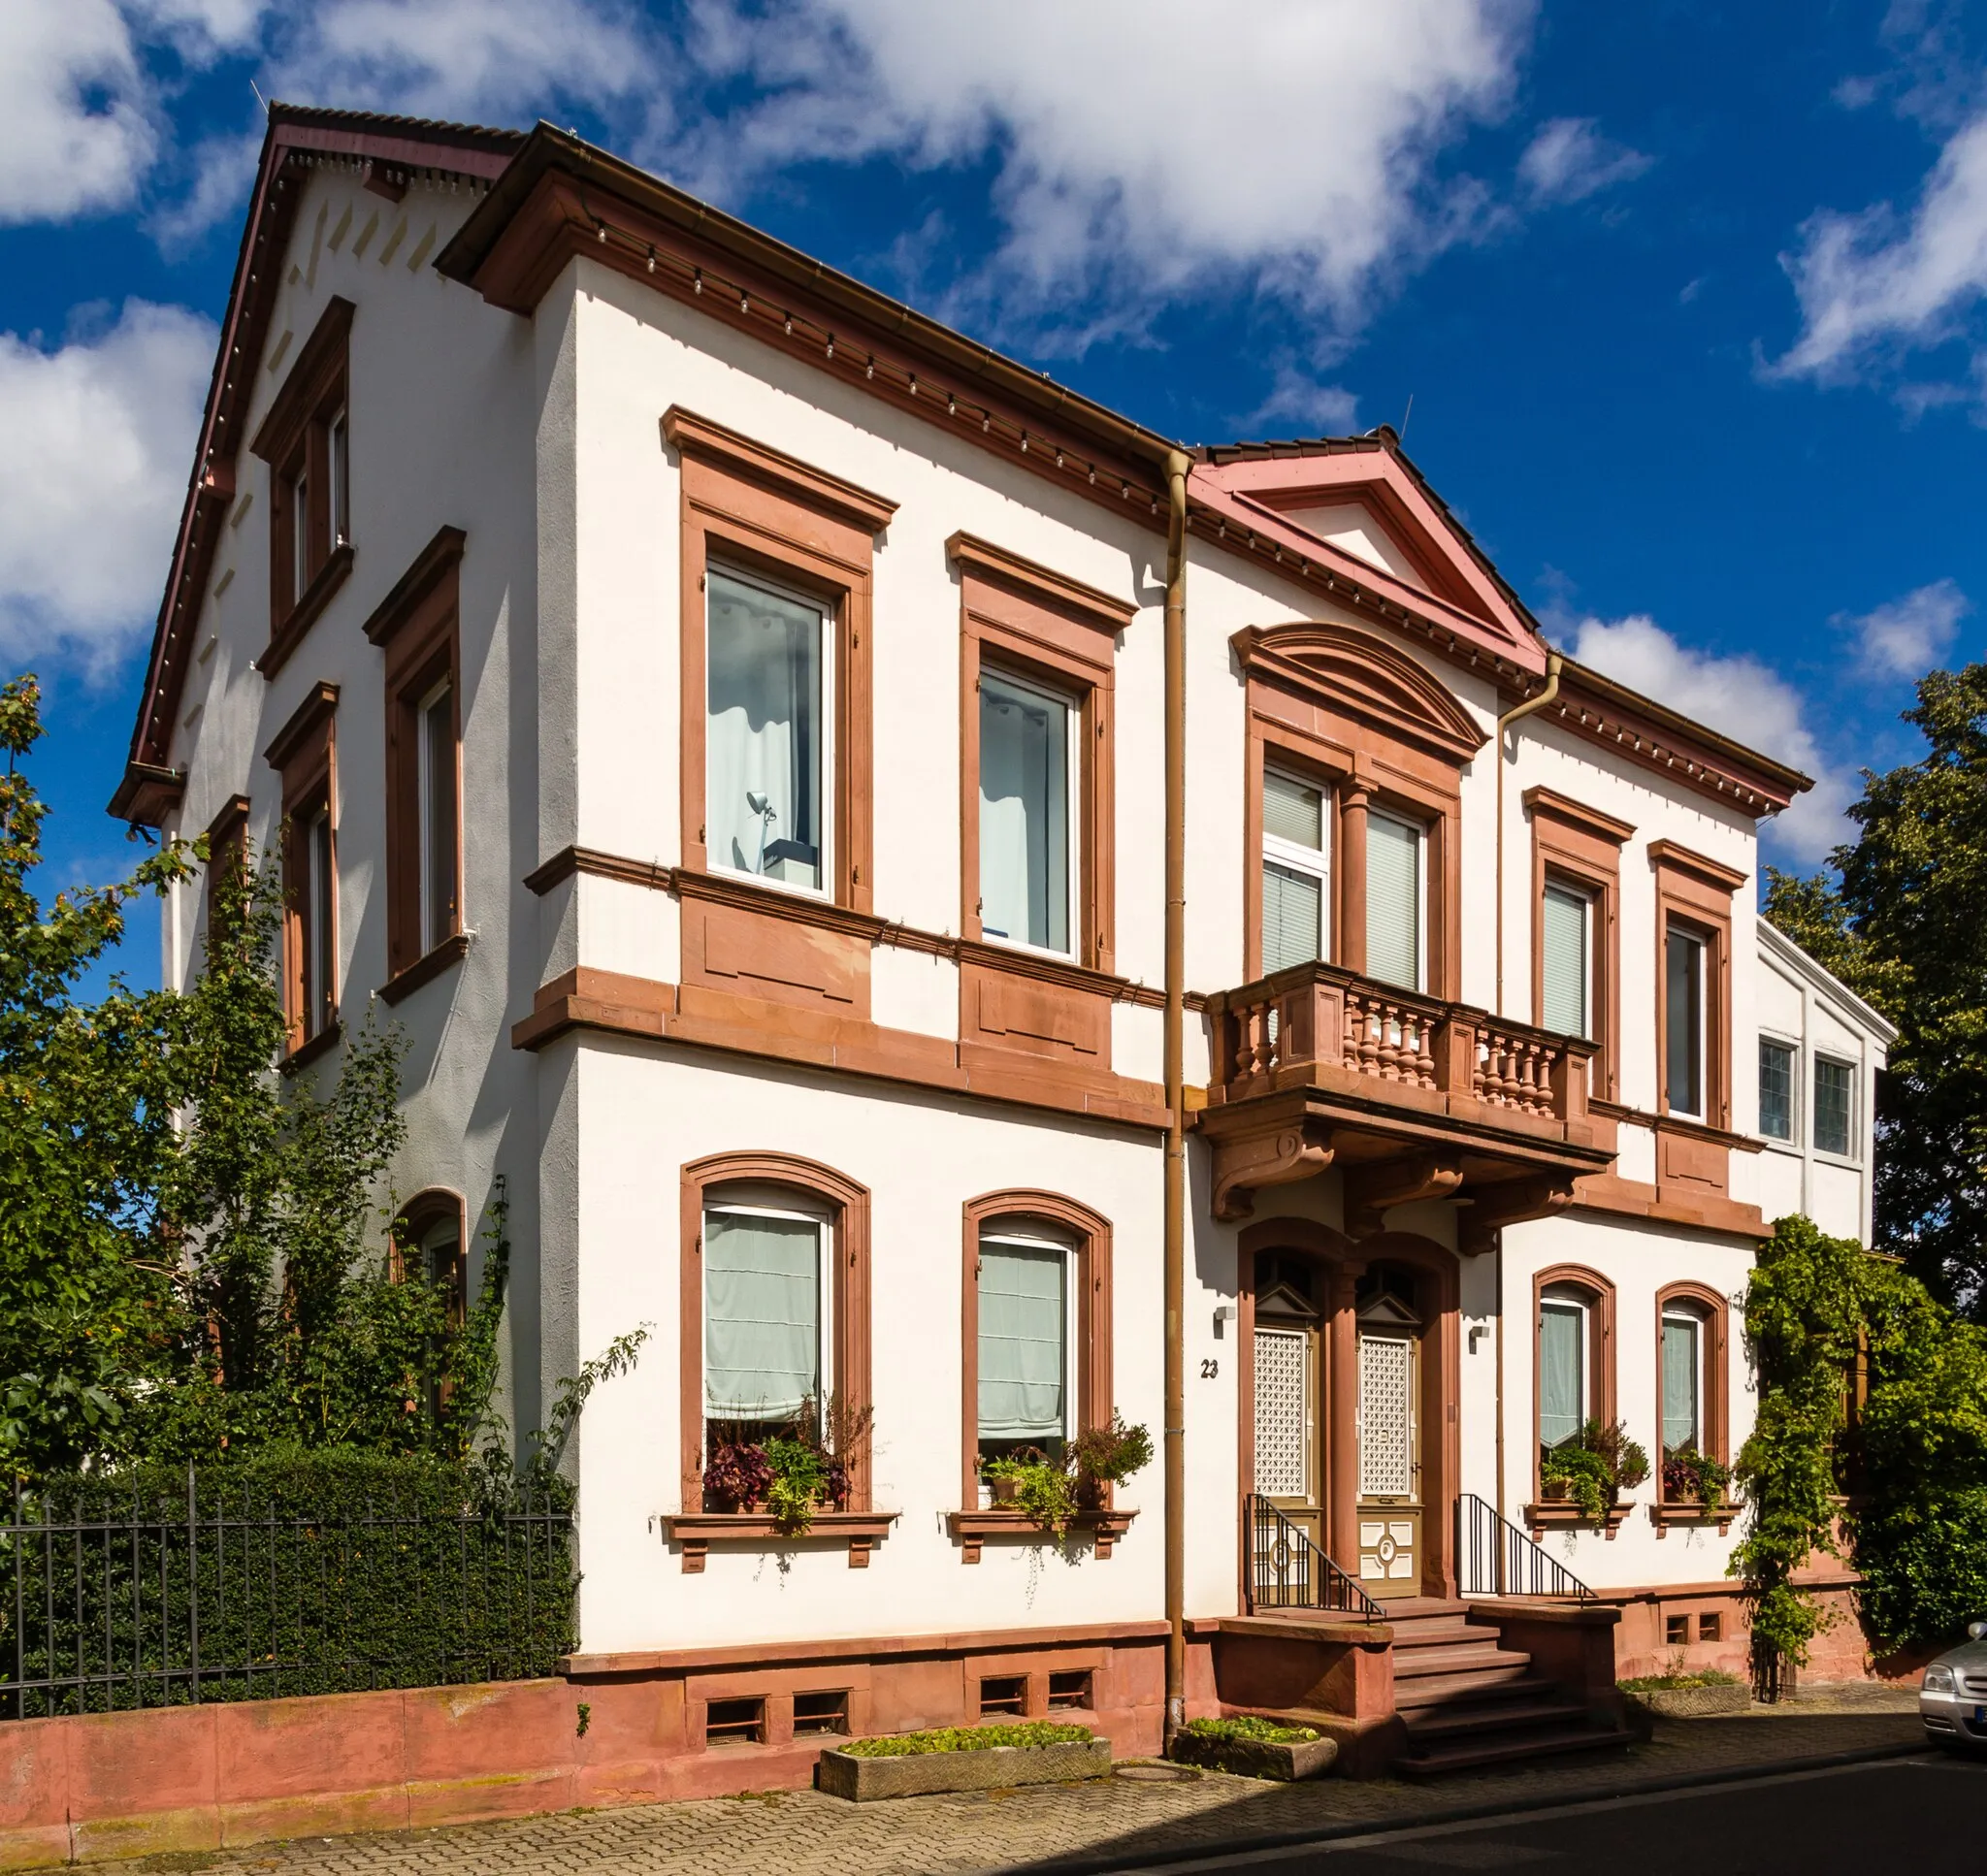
(1467, 1702)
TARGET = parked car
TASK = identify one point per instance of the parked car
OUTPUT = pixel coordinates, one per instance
(1952, 1700)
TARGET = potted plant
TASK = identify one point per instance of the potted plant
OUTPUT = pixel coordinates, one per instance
(1692, 1477)
(737, 1476)
(1003, 1478)
(1045, 1492)
(1593, 1469)
(1108, 1455)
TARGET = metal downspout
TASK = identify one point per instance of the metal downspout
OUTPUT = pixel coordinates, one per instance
(1554, 665)
(1175, 1211)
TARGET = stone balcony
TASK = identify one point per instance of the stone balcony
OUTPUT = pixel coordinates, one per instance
(1409, 1096)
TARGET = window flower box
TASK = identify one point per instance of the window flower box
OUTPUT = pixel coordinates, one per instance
(973, 1528)
(695, 1532)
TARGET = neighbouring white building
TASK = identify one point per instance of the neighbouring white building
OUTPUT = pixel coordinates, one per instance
(723, 715)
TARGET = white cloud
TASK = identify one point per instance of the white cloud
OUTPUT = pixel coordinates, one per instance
(1570, 160)
(1297, 398)
(1137, 145)
(1906, 637)
(1874, 286)
(100, 434)
(1741, 696)
(76, 129)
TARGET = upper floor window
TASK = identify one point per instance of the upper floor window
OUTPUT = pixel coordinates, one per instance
(1396, 901)
(767, 760)
(435, 732)
(306, 441)
(304, 753)
(1834, 1104)
(1029, 844)
(1683, 1022)
(1775, 1089)
(1566, 933)
(1296, 871)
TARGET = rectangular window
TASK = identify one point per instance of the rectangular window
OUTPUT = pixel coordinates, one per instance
(1296, 873)
(1677, 1631)
(1834, 1103)
(1394, 901)
(766, 764)
(319, 885)
(1683, 1022)
(1682, 1384)
(764, 1323)
(1709, 1628)
(1567, 927)
(435, 730)
(301, 566)
(1562, 1371)
(1024, 1345)
(338, 440)
(1027, 833)
(1776, 1089)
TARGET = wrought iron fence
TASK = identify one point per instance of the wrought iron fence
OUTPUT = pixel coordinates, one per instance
(1493, 1556)
(219, 1594)
(1286, 1571)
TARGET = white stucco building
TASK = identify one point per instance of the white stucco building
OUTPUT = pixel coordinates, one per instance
(722, 716)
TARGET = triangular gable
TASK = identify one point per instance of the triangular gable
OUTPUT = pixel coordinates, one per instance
(1358, 505)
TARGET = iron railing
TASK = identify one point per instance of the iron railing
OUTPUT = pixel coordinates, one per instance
(1493, 1556)
(159, 1602)
(1286, 1571)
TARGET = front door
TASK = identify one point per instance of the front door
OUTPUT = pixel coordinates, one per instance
(1389, 1510)
(1288, 1435)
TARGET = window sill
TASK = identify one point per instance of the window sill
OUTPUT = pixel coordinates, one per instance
(695, 1532)
(1663, 1517)
(307, 1053)
(430, 964)
(1562, 1514)
(288, 635)
(973, 1528)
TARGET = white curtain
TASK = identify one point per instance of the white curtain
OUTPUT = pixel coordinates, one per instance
(1562, 1361)
(761, 1316)
(764, 732)
(1023, 1347)
(1024, 814)
(1565, 969)
(1680, 1384)
(1393, 901)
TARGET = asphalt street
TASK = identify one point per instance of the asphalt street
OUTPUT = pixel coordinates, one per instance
(1925, 1816)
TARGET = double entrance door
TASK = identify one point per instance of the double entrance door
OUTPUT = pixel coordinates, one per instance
(1296, 1455)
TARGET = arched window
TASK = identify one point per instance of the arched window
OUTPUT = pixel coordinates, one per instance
(775, 1306)
(1036, 1341)
(1573, 1356)
(431, 1234)
(1692, 1406)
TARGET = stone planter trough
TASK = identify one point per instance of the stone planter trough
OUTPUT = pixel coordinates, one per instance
(986, 1768)
(1689, 1702)
(1257, 1757)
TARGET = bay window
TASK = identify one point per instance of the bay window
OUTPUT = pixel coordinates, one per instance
(1029, 841)
(768, 765)
(1297, 872)
(1396, 908)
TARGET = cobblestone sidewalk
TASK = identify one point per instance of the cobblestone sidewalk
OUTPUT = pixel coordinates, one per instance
(1141, 1811)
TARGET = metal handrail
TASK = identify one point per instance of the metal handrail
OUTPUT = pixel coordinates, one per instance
(1286, 1569)
(1493, 1556)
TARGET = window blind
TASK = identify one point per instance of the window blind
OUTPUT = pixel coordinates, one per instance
(761, 1316)
(1292, 918)
(1776, 1089)
(764, 732)
(1025, 838)
(1393, 901)
(1023, 1347)
(1565, 968)
(1562, 1375)
(1680, 1341)
(1292, 811)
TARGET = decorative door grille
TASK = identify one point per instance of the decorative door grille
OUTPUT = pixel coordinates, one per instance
(1386, 1426)
(1282, 1395)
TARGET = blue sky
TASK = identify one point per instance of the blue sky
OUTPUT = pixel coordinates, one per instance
(1687, 298)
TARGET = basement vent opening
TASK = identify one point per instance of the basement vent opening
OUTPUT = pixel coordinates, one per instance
(821, 1711)
(1069, 1688)
(1004, 1694)
(735, 1723)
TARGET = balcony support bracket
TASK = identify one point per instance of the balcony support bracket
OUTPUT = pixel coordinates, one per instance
(1513, 1202)
(1375, 1188)
(1271, 1149)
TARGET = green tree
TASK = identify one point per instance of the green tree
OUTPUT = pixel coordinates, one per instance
(1907, 929)
(87, 1272)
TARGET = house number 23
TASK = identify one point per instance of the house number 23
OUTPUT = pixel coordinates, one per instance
(1209, 1368)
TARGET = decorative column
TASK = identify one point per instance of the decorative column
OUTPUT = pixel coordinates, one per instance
(1350, 864)
(1342, 1423)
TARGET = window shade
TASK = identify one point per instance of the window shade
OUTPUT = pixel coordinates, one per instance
(1292, 918)
(1562, 1372)
(1022, 1351)
(1393, 901)
(1775, 1090)
(1292, 811)
(762, 736)
(761, 1316)
(1565, 970)
(1680, 1338)
(1833, 1105)
(1025, 838)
